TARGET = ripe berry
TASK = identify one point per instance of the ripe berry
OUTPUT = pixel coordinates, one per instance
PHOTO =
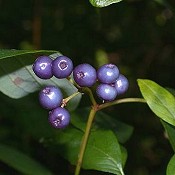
(106, 92)
(85, 75)
(121, 84)
(50, 97)
(42, 67)
(62, 67)
(107, 73)
(59, 117)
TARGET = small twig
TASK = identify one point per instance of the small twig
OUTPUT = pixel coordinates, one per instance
(119, 101)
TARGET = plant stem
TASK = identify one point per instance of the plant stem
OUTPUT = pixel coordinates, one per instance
(89, 92)
(85, 139)
(124, 100)
(92, 113)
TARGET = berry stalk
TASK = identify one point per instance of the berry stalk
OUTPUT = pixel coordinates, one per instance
(66, 100)
(91, 96)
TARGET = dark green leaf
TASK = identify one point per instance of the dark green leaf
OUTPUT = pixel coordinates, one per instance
(103, 3)
(102, 153)
(160, 101)
(122, 130)
(170, 129)
(21, 162)
(18, 80)
(171, 166)
(28, 53)
(102, 120)
(124, 155)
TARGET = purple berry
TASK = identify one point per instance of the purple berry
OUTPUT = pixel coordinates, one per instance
(121, 84)
(85, 75)
(59, 117)
(107, 73)
(42, 67)
(106, 92)
(50, 97)
(62, 67)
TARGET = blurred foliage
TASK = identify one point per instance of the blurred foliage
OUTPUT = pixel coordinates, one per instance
(137, 35)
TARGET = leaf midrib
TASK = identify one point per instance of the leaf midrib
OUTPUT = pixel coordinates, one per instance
(111, 158)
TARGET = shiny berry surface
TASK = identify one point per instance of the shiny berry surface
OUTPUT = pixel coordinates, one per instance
(107, 73)
(59, 118)
(85, 75)
(62, 67)
(50, 97)
(106, 92)
(42, 67)
(121, 84)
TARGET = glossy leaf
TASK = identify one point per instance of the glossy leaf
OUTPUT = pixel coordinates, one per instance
(171, 166)
(170, 129)
(160, 101)
(21, 162)
(105, 153)
(18, 80)
(102, 153)
(103, 3)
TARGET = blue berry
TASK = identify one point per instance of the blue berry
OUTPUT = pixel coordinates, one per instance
(85, 75)
(106, 92)
(42, 67)
(121, 84)
(62, 67)
(59, 117)
(50, 97)
(107, 73)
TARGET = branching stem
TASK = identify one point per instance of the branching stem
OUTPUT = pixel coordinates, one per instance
(96, 107)
(119, 101)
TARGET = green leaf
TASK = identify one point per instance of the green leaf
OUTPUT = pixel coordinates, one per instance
(123, 131)
(171, 166)
(103, 3)
(21, 162)
(160, 101)
(124, 155)
(28, 53)
(105, 153)
(102, 153)
(18, 80)
(170, 129)
(68, 143)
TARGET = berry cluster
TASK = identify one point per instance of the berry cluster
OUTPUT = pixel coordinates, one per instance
(51, 97)
(110, 84)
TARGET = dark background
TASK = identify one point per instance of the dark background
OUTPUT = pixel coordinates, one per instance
(137, 35)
